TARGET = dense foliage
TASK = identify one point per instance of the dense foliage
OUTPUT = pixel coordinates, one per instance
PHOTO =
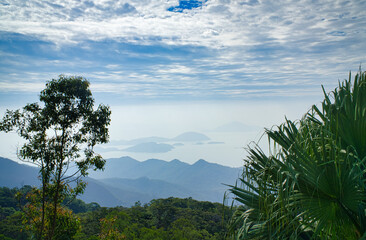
(171, 218)
(313, 183)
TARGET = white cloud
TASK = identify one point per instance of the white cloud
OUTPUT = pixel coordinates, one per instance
(175, 69)
(296, 45)
(216, 24)
(21, 86)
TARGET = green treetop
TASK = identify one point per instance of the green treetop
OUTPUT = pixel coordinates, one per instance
(60, 134)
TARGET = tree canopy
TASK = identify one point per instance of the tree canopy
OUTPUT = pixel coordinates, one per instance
(60, 135)
(164, 219)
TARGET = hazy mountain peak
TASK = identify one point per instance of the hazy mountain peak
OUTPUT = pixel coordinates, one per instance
(124, 158)
(176, 161)
(153, 160)
(201, 162)
(191, 137)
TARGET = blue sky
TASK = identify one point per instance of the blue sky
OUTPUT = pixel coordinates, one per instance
(213, 61)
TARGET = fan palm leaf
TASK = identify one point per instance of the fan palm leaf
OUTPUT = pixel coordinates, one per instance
(312, 186)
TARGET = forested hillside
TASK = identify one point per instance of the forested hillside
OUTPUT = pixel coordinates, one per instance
(171, 218)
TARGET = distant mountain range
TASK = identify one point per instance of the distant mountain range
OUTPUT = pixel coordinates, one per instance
(126, 180)
(13, 174)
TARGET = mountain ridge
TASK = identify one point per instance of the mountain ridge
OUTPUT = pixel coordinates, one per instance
(146, 180)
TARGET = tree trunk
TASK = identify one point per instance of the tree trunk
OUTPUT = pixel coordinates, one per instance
(58, 185)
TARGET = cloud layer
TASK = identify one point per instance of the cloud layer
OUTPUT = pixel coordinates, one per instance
(176, 50)
(215, 23)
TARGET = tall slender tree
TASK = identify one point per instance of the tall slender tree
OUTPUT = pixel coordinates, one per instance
(313, 183)
(60, 135)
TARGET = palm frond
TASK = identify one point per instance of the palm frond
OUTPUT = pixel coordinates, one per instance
(312, 185)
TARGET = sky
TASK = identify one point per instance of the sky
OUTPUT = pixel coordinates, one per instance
(226, 69)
